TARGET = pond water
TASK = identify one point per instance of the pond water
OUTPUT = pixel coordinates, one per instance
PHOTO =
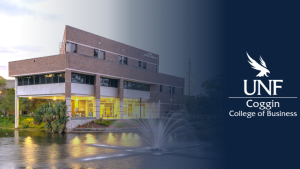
(34, 149)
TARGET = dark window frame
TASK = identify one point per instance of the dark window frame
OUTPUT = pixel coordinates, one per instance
(125, 60)
(97, 52)
(136, 86)
(107, 82)
(82, 79)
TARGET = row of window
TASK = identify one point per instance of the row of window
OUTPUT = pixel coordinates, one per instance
(72, 47)
(83, 79)
(136, 86)
(41, 79)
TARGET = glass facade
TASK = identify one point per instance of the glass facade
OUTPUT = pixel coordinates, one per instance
(83, 106)
(41, 79)
(109, 82)
(83, 79)
(133, 109)
(109, 108)
(136, 86)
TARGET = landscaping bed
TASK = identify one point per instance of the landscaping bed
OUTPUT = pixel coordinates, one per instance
(107, 124)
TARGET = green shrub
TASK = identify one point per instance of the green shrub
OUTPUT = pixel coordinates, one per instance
(27, 123)
(119, 124)
(105, 122)
(127, 124)
(99, 120)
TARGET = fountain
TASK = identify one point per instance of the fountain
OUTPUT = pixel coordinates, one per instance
(156, 131)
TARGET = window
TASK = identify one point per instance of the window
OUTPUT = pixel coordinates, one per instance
(71, 47)
(144, 65)
(30, 80)
(20, 81)
(55, 78)
(61, 78)
(155, 68)
(42, 79)
(136, 86)
(82, 79)
(99, 54)
(108, 82)
(25, 80)
(171, 90)
(160, 88)
(48, 78)
(36, 79)
(123, 60)
(182, 92)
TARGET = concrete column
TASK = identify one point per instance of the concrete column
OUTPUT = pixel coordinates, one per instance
(121, 96)
(68, 78)
(16, 104)
(97, 96)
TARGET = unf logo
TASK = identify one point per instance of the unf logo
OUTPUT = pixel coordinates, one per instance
(263, 72)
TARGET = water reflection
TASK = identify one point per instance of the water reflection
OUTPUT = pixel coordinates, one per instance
(31, 149)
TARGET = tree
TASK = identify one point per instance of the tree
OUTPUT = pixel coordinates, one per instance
(30, 105)
(53, 114)
(7, 102)
(2, 82)
(212, 101)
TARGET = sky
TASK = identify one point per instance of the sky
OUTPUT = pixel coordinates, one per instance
(174, 29)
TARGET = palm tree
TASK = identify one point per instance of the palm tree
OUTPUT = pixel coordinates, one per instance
(54, 116)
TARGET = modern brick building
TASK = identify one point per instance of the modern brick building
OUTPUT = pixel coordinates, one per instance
(98, 77)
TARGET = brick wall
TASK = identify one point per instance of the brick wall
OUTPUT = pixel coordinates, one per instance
(86, 38)
(37, 65)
